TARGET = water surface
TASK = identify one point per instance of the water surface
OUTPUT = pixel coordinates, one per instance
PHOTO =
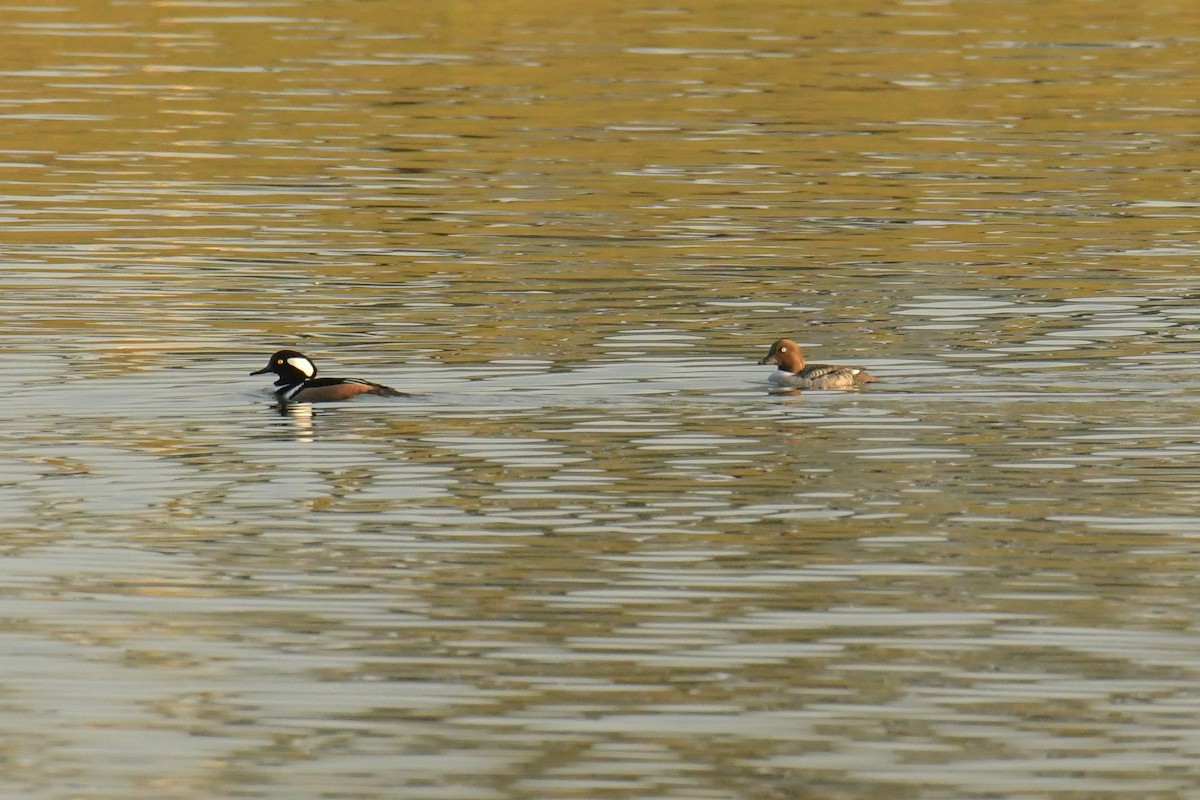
(594, 558)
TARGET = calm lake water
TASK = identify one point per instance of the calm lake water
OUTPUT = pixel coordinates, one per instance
(594, 558)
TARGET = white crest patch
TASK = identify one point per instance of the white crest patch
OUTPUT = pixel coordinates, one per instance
(304, 365)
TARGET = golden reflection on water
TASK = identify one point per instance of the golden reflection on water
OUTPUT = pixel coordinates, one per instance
(594, 558)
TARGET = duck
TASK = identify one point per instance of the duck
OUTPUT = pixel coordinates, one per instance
(298, 381)
(793, 374)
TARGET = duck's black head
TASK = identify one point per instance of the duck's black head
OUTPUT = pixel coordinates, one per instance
(292, 367)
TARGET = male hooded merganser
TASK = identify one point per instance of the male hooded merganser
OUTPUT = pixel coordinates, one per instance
(299, 383)
(792, 374)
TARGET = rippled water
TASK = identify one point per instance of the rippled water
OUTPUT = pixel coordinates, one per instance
(593, 557)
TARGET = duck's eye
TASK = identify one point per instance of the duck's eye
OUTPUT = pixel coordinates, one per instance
(279, 361)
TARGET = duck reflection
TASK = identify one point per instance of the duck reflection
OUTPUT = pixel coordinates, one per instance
(301, 416)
